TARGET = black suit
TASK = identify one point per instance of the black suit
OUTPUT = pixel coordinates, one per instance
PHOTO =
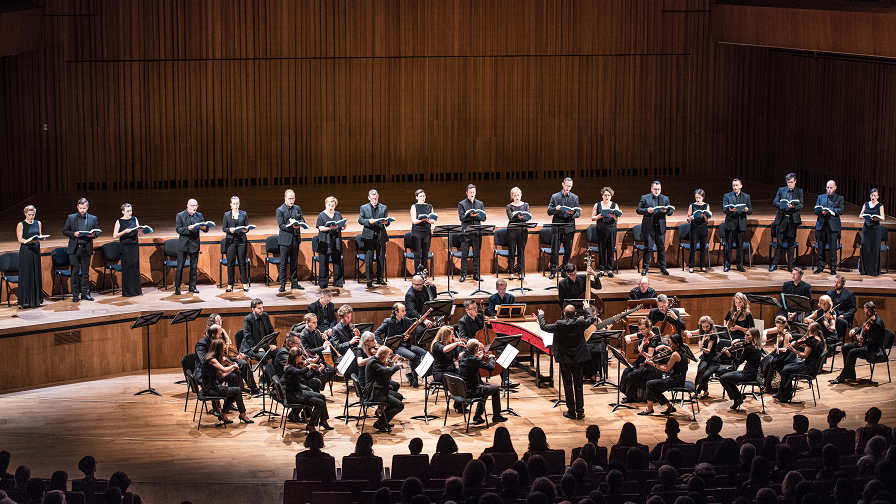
(735, 224)
(313, 343)
(469, 373)
(289, 239)
(379, 378)
(341, 340)
(391, 327)
(653, 227)
(872, 349)
(787, 220)
(845, 303)
(414, 300)
(255, 328)
(571, 351)
(374, 239)
(637, 294)
(656, 316)
(827, 227)
(468, 327)
(326, 315)
(235, 246)
(567, 289)
(472, 238)
(80, 250)
(187, 246)
(803, 289)
(562, 235)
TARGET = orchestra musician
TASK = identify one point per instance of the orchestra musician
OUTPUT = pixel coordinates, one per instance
(329, 245)
(869, 344)
(844, 300)
(213, 332)
(398, 323)
(379, 378)
(188, 244)
(240, 360)
(563, 235)
(574, 284)
(314, 344)
(473, 322)
(750, 356)
(828, 208)
(80, 249)
(517, 237)
(422, 290)
(296, 373)
(472, 360)
(788, 201)
(827, 319)
(446, 350)
(345, 336)
(236, 243)
(642, 291)
(375, 237)
(282, 356)
(467, 239)
(780, 356)
(664, 312)
(737, 207)
(571, 352)
(605, 215)
(325, 311)
(654, 208)
(215, 379)
(796, 286)
(675, 369)
(739, 320)
(501, 297)
(709, 354)
(633, 382)
(810, 351)
(256, 325)
(289, 239)
(364, 352)
(421, 231)
(699, 230)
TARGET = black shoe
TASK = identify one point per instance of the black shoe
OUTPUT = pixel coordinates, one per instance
(668, 411)
(498, 419)
(86, 297)
(75, 298)
(553, 275)
(245, 289)
(243, 420)
(664, 271)
(771, 268)
(458, 408)
(477, 278)
(837, 381)
(741, 269)
(281, 289)
(570, 415)
(726, 269)
(229, 289)
(478, 420)
(510, 384)
(580, 416)
(369, 284)
(194, 290)
(380, 281)
(644, 272)
(256, 391)
(833, 271)
(298, 287)
(177, 292)
(610, 274)
(626, 400)
(645, 413)
(324, 425)
(463, 278)
(819, 270)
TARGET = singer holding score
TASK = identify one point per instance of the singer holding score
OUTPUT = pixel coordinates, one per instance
(653, 209)
(187, 226)
(28, 231)
(517, 211)
(81, 228)
(127, 230)
(869, 253)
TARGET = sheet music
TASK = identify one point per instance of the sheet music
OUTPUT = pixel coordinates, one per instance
(345, 362)
(548, 339)
(507, 355)
(425, 364)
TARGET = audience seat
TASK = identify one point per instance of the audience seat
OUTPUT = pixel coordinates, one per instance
(445, 465)
(404, 466)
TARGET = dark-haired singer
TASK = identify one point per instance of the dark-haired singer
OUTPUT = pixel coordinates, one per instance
(80, 249)
(375, 237)
(562, 235)
(476, 215)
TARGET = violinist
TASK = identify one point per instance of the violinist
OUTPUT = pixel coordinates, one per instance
(233, 354)
(446, 350)
(827, 319)
(296, 374)
(282, 356)
(780, 356)
(215, 372)
(571, 352)
(633, 382)
(869, 344)
(345, 336)
(745, 352)
(314, 343)
(398, 323)
(213, 332)
(472, 360)
(365, 351)
(471, 323)
(675, 368)
(810, 350)
(379, 378)
(664, 312)
(709, 354)
(739, 320)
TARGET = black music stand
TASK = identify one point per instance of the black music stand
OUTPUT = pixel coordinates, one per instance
(447, 230)
(481, 230)
(620, 358)
(423, 371)
(364, 326)
(185, 317)
(268, 340)
(499, 344)
(763, 301)
(440, 307)
(521, 225)
(392, 343)
(795, 303)
(605, 336)
(146, 321)
(426, 338)
(562, 227)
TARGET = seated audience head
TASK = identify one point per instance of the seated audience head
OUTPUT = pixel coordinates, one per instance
(54, 497)
(805, 492)
(538, 441)
(696, 484)
(446, 444)
(843, 490)
(383, 496)
(766, 496)
(667, 475)
(364, 444)
(592, 434)
(579, 469)
(598, 497)
(713, 425)
(759, 470)
(674, 458)
(672, 428)
(872, 416)
(634, 459)
(23, 474)
(872, 488)
(791, 480)
(314, 441)
(454, 487)
(502, 442)
(628, 436)
(59, 481)
(537, 498)
(831, 455)
(587, 453)
(538, 466)
(727, 453)
(886, 472)
(474, 474)
(545, 486)
(754, 426)
(835, 415)
(522, 471)
(411, 487)
(510, 481)
(800, 424)
(683, 499)
(615, 482)
(120, 479)
(420, 499)
(568, 485)
(876, 447)
(114, 495)
(705, 470)
(747, 452)
(655, 499)
(784, 459)
(815, 438)
(489, 462)
(415, 446)
(35, 489)
(487, 498)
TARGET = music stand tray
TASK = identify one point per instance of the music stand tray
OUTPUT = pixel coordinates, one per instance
(183, 317)
(426, 338)
(763, 301)
(510, 311)
(423, 371)
(605, 335)
(393, 342)
(647, 302)
(146, 321)
(440, 307)
(481, 230)
(521, 225)
(796, 303)
(364, 326)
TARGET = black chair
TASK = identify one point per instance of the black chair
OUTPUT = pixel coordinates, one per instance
(773, 243)
(315, 242)
(405, 466)
(9, 272)
(688, 452)
(753, 384)
(272, 256)
(61, 269)
(591, 240)
(884, 247)
(842, 328)
(359, 259)
(746, 245)
(364, 401)
(188, 364)
(317, 469)
(500, 241)
(689, 390)
(278, 396)
(456, 389)
(811, 378)
(170, 262)
(455, 253)
(544, 247)
(222, 263)
(827, 248)
(884, 356)
(203, 398)
(369, 469)
(111, 253)
(409, 255)
(640, 246)
(684, 245)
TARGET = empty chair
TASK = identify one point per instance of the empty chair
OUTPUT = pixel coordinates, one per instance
(61, 270)
(111, 253)
(9, 272)
(640, 246)
(315, 468)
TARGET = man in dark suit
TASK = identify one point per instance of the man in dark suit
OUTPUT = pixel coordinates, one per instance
(282, 356)
(471, 361)
(256, 325)
(289, 239)
(188, 244)
(325, 311)
(571, 351)
(80, 249)
(737, 207)
(871, 341)
(473, 322)
(788, 201)
(374, 236)
(398, 323)
(573, 285)
(663, 312)
(828, 208)
(795, 286)
(643, 290)
(844, 300)
(415, 299)
(653, 225)
(379, 376)
(473, 238)
(315, 343)
(346, 336)
(562, 235)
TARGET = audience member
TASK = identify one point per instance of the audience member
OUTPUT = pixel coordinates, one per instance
(587, 454)
(537, 498)
(91, 485)
(634, 459)
(54, 497)
(314, 441)
(760, 476)
(668, 477)
(844, 491)
(784, 462)
(754, 428)
(805, 492)
(474, 475)
(454, 491)
(120, 479)
(489, 462)
(875, 451)
(674, 458)
(510, 485)
(768, 447)
(615, 484)
(411, 487)
(747, 454)
(579, 470)
(789, 483)
(522, 471)
(727, 454)
(538, 442)
(815, 440)
(545, 486)
(19, 491)
(672, 430)
(872, 488)
(383, 496)
(538, 467)
(58, 481)
(114, 495)
(363, 447)
(766, 496)
(34, 491)
(415, 446)
(835, 416)
(628, 435)
(713, 430)
(830, 455)
(501, 442)
(489, 498)
(5, 458)
(446, 444)
(592, 434)
(872, 427)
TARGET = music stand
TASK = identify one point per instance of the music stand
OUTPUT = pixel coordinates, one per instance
(480, 229)
(393, 342)
(364, 326)
(561, 227)
(446, 230)
(509, 352)
(146, 321)
(423, 370)
(763, 301)
(270, 339)
(521, 225)
(184, 317)
(647, 302)
(426, 338)
(440, 307)
(620, 358)
(605, 336)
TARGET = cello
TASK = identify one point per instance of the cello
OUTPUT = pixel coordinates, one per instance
(485, 336)
(667, 329)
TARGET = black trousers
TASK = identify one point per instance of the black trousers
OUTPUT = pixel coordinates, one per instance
(236, 255)
(655, 239)
(698, 240)
(393, 406)
(80, 269)
(375, 246)
(571, 375)
(606, 245)
(420, 244)
(289, 255)
(655, 389)
(559, 239)
(194, 267)
(730, 380)
(826, 239)
(486, 391)
(516, 246)
(786, 233)
(324, 260)
(413, 354)
(467, 240)
(852, 353)
(598, 363)
(785, 391)
(313, 401)
(705, 371)
(634, 381)
(734, 238)
(246, 373)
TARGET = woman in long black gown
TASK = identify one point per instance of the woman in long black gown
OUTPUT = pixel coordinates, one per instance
(30, 292)
(869, 254)
(127, 234)
(329, 245)
(421, 231)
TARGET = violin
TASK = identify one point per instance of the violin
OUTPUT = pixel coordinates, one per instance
(732, 321)
(865, 327)
(737, 346)
(488, 334)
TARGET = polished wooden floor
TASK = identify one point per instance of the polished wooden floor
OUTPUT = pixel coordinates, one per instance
(169, 459)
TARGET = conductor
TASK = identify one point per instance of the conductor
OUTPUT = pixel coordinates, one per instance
(570, 349)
